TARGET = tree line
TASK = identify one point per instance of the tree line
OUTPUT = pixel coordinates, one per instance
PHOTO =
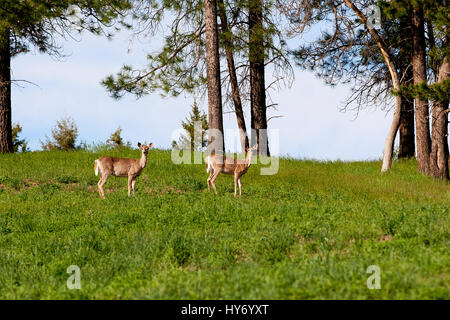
(64, 136)
(395, 54)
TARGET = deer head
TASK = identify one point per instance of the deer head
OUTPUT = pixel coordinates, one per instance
(144, 148)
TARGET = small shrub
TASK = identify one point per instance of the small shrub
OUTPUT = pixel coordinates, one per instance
(116, 140)
(64, 136)
(18, 144)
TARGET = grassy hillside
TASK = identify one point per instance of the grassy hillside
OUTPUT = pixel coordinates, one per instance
(310, 231)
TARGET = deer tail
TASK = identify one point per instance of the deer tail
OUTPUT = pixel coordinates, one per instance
(208, 166)
(96, 167)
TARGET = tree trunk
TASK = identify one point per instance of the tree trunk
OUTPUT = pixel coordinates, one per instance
(233, 77)
(439, 145)
(407, 139)
(257, 77)
(407, 143)
(419, 74)
(6, 145)
(215, 121)
(390, 138)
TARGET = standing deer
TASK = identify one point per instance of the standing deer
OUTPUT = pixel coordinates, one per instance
(121, 167)
(216, 164)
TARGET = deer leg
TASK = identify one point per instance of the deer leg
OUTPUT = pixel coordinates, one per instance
(130, 178)
(133, 185)
(208, 181)
(100, 185)
(236, 177)
(240, 186)
(100, 188)
(214, 179)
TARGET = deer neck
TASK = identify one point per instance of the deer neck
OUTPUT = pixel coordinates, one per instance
(143, 160)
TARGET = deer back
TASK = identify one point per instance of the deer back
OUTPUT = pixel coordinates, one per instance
(229, 165)
(120, 166)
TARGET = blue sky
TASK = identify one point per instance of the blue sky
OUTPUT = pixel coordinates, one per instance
(311, 127)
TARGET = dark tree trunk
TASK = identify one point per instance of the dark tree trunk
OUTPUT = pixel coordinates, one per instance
(6, 145)
(421, 106)
(257, 79)
(233, 77)
(407, 141)
(215, 121)
(407, 144)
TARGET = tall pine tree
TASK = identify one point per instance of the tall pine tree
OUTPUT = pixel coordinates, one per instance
(38, 23)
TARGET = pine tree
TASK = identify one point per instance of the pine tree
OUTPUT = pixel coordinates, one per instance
(180, 65)
(37, 23)
(116, 140)
(415, 36)
(190, 141)
(18, 144)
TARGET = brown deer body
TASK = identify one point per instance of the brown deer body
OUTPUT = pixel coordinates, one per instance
(121, 167)
(217, 164)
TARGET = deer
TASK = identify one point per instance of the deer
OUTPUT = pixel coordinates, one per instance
(217, 164)
(121, 167)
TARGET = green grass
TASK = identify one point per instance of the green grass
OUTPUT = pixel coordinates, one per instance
(308, 232)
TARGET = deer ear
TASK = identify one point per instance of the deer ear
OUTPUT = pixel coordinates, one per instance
(150, 145)
(139, 144)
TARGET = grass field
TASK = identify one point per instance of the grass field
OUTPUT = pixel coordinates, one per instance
(308, 232)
